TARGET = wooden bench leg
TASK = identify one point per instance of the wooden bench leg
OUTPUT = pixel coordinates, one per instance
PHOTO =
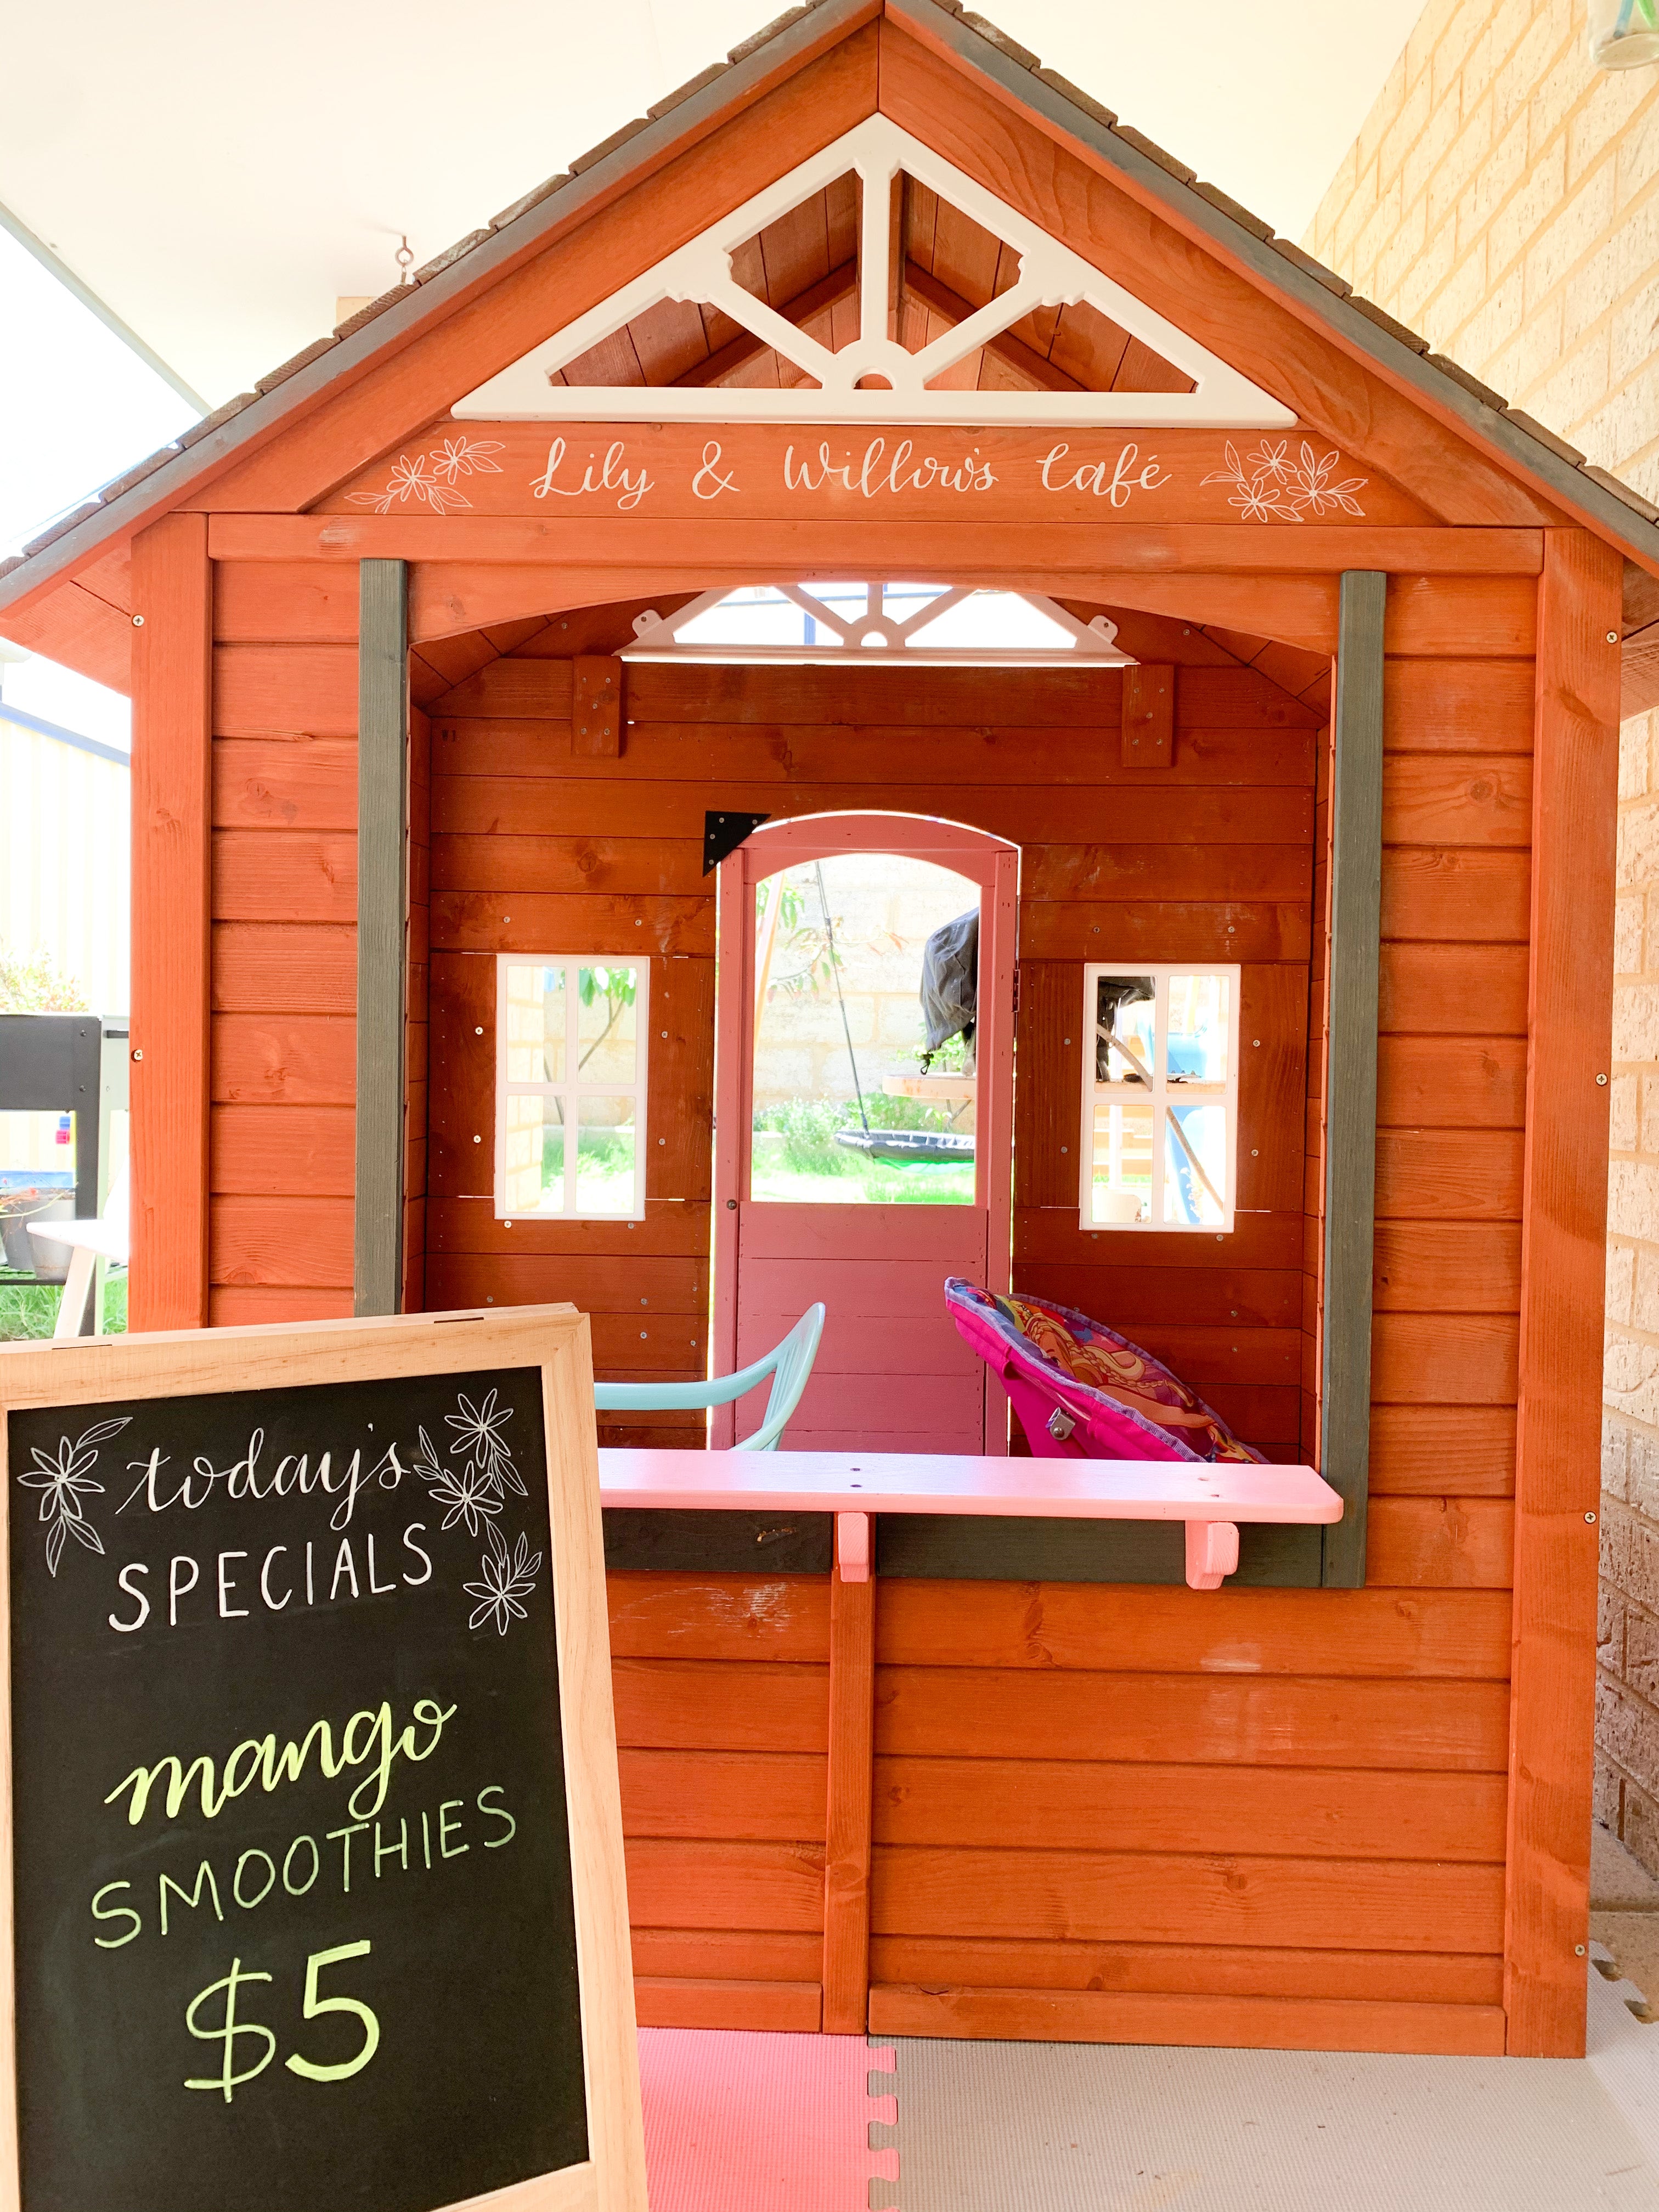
(1212, 1553)
(847, 1858)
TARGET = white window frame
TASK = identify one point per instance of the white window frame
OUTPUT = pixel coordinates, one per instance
(572, 1089)
(1160, 1096)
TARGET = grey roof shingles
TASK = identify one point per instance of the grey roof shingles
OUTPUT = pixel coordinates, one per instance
(1179, 180)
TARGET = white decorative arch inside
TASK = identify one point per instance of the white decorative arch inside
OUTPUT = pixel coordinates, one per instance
(874, 378)
(830, 623)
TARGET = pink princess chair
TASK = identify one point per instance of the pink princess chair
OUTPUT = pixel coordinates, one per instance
(1081, 1390)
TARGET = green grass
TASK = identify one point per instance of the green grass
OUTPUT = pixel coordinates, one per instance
(809, 1167)
(29, 1310)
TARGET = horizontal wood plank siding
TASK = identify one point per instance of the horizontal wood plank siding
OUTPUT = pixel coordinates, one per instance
(284, 905)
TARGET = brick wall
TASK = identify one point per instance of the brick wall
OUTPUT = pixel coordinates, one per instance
(1503, 199)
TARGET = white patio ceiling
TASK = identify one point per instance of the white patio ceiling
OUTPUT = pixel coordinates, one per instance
(219, 175)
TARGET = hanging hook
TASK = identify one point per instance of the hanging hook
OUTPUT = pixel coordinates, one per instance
(404, 258)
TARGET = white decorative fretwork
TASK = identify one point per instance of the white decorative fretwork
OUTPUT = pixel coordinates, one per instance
(831, 623)
(1050, 274)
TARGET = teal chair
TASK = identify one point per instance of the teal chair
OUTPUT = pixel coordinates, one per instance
(789, 1363)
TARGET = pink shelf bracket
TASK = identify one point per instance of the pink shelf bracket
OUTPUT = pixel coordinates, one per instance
(1212, 1553)
(853, 1547)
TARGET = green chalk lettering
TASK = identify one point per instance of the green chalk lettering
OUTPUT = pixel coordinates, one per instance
(203, 1873)
(247, 1904)
(496, 1813)
(316, 1865)
(445, 1826)
(344, 1836)
(144, 1779)
(100, 1911)
(289, 1766)
(399, 1851)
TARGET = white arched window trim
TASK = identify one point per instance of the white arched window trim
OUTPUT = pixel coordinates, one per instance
(1050, 274)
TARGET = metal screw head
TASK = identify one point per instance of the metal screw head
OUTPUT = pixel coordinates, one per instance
(1578, 1950)
(1590, 1517)
(479, 1030)
(1613, 637)
(1600, 1079)
(477, 1140)
(139, 1053)
(137, 622)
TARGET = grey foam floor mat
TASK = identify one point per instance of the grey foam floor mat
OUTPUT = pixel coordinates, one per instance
(1025, 2127)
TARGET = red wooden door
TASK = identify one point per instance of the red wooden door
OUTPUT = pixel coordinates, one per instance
(819, 1021)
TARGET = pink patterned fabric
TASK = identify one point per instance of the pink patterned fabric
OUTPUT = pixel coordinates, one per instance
(1081, 1390)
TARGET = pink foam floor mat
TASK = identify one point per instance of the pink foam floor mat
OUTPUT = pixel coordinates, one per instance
(739, 2122)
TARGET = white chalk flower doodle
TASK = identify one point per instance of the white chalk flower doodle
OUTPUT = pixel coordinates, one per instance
(411, 480)
(466, 1493)
(1271, 487)
(63, 1481)
(478, 1435)
(466, 456)
(509, 1576)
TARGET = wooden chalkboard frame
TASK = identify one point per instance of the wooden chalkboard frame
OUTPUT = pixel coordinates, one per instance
(555, 1340)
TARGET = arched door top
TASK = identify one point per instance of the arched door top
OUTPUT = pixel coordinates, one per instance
(784, 844)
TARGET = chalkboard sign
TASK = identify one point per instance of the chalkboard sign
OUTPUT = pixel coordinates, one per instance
(316, 1886)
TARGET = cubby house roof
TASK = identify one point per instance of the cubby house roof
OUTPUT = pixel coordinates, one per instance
(32, 586)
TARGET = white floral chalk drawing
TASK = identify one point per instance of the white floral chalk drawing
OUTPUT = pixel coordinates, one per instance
(432, 478)
(478, 1434)
(465, 1493)
(507, 1577)
(1271, 487)
(63, 1481)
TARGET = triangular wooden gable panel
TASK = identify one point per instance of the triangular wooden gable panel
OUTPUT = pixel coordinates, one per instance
(1012, 156)
(877, 152)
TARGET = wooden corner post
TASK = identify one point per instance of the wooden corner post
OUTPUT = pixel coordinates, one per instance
(1351, 1068)
(1563, 1269)
(171, 880)
(382, 933)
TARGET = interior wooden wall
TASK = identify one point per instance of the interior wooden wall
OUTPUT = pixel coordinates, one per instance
(536, 850)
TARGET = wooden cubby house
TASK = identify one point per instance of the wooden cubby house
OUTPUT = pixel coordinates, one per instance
(1333, 711)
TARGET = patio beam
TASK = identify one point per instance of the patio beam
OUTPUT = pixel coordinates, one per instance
(1351, 1068)
(382, 933)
